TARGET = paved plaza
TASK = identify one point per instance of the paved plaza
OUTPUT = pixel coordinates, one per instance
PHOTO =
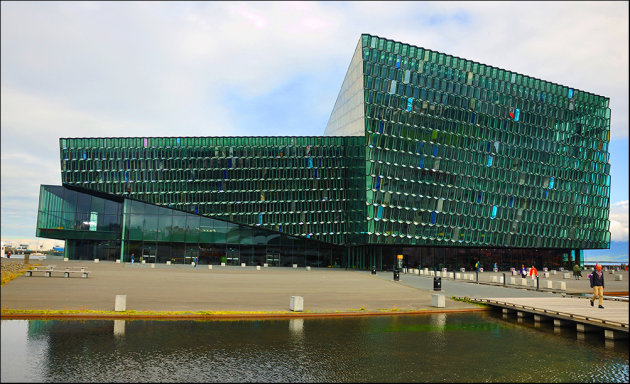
(232, 288)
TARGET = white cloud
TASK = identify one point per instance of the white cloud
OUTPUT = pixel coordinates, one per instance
(619, 221)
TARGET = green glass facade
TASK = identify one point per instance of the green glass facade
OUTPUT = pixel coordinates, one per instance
(442, 159)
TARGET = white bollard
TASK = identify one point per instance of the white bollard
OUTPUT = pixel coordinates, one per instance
(294, 265)
(426, 271)
(431, 273)
(548, 284)
(458, 276)
(524, 282)
(512, 280)
(258, 267)
(265, 265)
(471, 277)
(223, 264)
(296, 304)
(209, 266)
(416, 271)
(421, 272)
(545, 274)
(121, 303)
(117, 261)
(554, 272)
(545, 269)
(96, 260)
(192, 263)
(438, 274)
(152, 265)
(308, 268)
(437, 300)
(451, 275)
(562, 286)
(242, 265)
(566, 275)
(500, 279)
(168, 262)
(493, 279)
(65, 259)
(144, 261)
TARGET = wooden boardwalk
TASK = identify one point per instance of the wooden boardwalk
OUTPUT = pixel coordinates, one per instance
(613, 318)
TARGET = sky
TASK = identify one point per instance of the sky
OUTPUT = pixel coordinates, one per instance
(94, 69)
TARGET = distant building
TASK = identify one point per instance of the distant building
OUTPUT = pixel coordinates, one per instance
(438, 158)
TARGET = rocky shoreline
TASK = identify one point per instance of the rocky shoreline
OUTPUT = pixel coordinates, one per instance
(13, 266)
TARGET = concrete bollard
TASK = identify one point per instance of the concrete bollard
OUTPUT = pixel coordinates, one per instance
(265, 265)
(500, 279)
(308, 268)
(258, 267)
(209, 266)
(562, 285)
(421, 272)
(554, 272)
(121, 303)
(548, 284)
(223, 264)
(296, 304)
(523, 282)
(458, 276)
(152, 265)
(545, 274)
(416, 271)
(168, 262)
(512, 280)
(438, 274)
(514, 273)
(65, 259)
(96, 260)
(426, 271)
(566, 275)
(493, 279)
(144, 261)
(618, 277)
(294, 265)
(451, 275)
(242, 265)
(438, 300)
(471, 277)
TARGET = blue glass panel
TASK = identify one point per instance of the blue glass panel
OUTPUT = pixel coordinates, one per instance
(421, 162)
(542, 97)
(84, 155)
(494, 212)
(260, 218)
(179, 141)
(398, 62)
(479, 197)
(310, 162)
(409, 104)
(517, 114)
(380, 128)
(435, 150)
(570, 93)
(420, 145)
(489, 160)
(378, 182)
(379, 214)
(473, 117)
(225, 173)
(229, 163)
(546, 193)
(433, 215)
(511, 202)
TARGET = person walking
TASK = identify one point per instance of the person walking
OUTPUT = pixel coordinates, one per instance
(597, 283)
(523, 271)
(132, 257)
(577, 272)
(533, 272)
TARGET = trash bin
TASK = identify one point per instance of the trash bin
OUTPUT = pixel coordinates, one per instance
(373, 270)
(437, 283)
(396, 275)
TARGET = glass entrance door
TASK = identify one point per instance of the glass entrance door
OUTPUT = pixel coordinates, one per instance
(232, 256)
(273, 258)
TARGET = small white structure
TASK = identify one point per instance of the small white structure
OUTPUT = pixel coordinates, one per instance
(458, 276)
(117, 261)
(308, 268)
(243, 265)
(121, 303)
(438, 300)
(223, 264)
(96, 260)
(168, 262)
(548, 284)
(258, 267)
(296, 304)
(294, 265)
(209, 266)
(265, 265)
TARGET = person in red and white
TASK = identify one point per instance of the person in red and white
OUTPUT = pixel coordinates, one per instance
(533, 272)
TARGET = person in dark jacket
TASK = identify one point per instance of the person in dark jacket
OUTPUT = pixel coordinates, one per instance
(597, 283)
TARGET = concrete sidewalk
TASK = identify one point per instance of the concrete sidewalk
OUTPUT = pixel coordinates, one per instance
(184, 288)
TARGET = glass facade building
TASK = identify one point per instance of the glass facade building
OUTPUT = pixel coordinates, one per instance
(432, 156)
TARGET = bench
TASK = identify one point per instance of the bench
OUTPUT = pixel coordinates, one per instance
(49, 270)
